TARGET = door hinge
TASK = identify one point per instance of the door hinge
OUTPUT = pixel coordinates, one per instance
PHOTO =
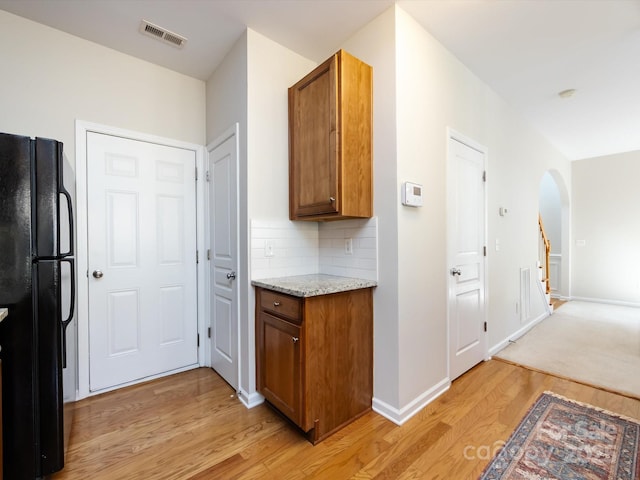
(485, 326)
(207, 176)
(208, 254)
(198, 340)
(484, 176)
(196, 174)
(197, 256)
(209, 332)
(484, 251)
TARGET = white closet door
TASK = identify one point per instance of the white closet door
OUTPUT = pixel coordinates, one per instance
(142, 260)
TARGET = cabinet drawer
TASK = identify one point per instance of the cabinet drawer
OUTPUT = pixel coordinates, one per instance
(282, 305)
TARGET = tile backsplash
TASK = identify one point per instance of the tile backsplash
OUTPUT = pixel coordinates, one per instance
(282, 248)
(363, 261)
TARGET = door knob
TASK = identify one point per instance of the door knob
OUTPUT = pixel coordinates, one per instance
(97, 274)
(456, 271)
(231, 275)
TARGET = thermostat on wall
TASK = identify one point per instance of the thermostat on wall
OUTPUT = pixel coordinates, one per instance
(411, 194)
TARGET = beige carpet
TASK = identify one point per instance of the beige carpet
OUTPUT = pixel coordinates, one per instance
(592, 343)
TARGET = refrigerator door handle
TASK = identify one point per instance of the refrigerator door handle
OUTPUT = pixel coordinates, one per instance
(63, 191)
(72, 304)
(70, 210)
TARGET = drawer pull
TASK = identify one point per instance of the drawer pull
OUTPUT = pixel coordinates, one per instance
(295, 339)
(276, 304)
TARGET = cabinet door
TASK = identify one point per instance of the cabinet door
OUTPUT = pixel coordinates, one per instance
(313, 126)
(280, 372)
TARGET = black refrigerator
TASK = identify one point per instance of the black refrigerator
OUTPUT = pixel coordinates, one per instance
(37, 286)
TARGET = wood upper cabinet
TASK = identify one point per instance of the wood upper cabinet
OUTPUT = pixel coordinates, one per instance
(330, 141)
(315, 357)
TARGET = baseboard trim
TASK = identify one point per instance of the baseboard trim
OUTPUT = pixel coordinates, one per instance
(512, 338)
(400, 416)
(251, 400)
(607, 301)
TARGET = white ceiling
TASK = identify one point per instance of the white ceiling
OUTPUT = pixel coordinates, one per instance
(526, 50)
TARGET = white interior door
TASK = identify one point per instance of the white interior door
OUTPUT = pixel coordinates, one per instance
(223, 198)
(141, 204)
(466, 244)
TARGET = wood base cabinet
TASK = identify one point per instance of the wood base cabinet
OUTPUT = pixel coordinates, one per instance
(315, 357)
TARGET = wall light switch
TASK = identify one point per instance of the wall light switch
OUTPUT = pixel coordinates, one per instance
(348, 246)
(268, 248)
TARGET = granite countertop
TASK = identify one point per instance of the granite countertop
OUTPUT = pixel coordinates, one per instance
(313, 285)
(3, 313)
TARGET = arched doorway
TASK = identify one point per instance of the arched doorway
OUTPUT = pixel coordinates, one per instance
(554, 209)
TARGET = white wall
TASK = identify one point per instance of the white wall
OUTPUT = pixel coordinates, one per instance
(250, 87)
(432, 91)
(437, 92)
(227, 95)
(50, 78)
(425, 91)
(272, 69)
(375, 45)
(605, 216)
(518, 156)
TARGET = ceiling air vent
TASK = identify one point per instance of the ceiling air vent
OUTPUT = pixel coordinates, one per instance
(162, 34)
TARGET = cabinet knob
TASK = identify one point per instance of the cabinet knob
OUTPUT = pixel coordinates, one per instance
(276, 304)
(295, 339)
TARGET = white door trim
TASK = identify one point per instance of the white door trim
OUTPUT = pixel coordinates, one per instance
(82, 127)
(232, 131)
(455, 135)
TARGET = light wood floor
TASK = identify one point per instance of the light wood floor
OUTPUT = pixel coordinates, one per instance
(557, 303)
(190, 426)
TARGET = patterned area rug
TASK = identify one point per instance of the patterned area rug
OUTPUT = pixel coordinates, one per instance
(564, 439)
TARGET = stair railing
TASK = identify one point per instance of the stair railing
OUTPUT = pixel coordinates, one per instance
(546, 246)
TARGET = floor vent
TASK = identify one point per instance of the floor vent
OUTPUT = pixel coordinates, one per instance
(162, 34)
